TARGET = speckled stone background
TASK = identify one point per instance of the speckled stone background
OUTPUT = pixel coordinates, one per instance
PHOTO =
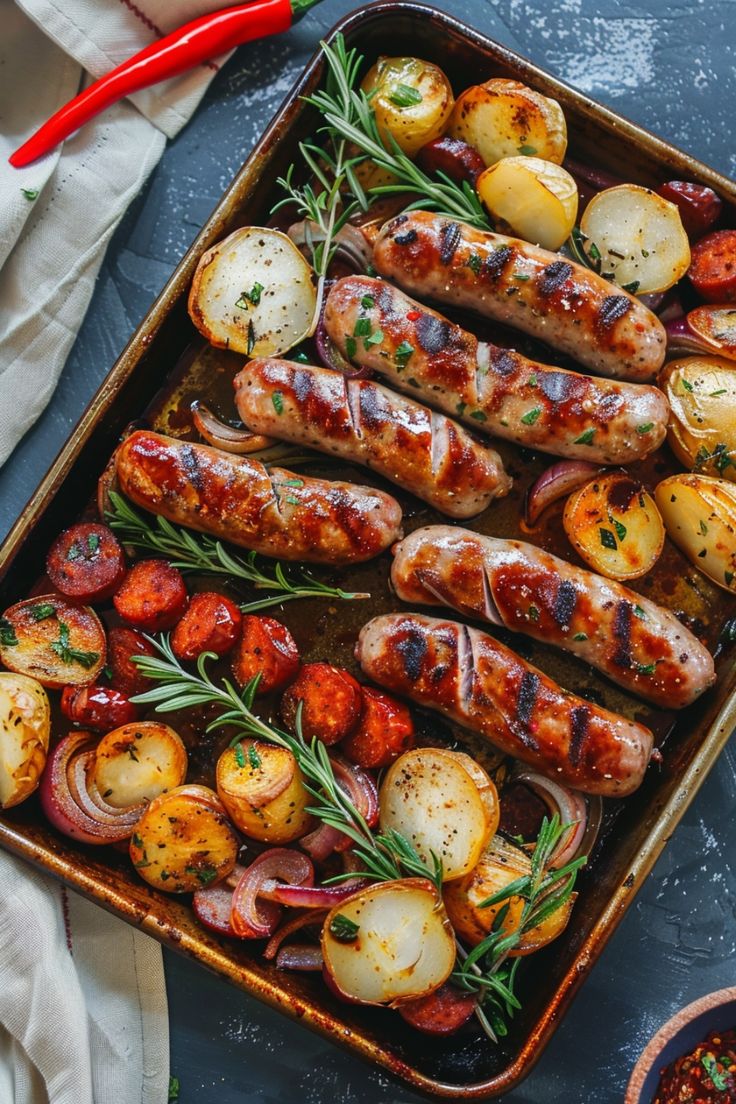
(669, 65)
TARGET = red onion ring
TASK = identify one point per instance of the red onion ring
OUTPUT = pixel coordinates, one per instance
(361, 789)
(307, 957)
(81, 789)
(255, 919)
(554, 483)
(224, 436)
(66, 802)
(321, 842)
(213, 904)
(309, 918)
(569, 805)
(307, 896)
(351, 243)
(700, 331)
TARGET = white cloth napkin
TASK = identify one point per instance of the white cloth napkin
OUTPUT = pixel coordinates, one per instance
(58, 215)
(83, 1013)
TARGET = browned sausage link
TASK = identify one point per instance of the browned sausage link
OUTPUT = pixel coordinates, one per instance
(363, 422)
(541, 293)
(639, 645)
(477, 682)
(495, 390)
(274, 512)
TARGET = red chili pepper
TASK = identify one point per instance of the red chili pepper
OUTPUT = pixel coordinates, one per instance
(190, 45)
(413, 316)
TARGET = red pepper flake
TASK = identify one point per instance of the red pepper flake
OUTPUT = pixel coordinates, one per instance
(414, 316)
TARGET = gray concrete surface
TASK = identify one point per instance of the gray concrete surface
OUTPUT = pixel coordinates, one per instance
(668, 64)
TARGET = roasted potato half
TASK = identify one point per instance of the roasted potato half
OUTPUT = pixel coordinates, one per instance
(138, 761)
(183, 842)
(253, 293)
(614, 525)
(388, 943)
(701, 391)
(502, 118)
(700, 516)
(501, 863)
(530, 198)
(263, 791)
(412, 101)
(53, 640)
(25, 723)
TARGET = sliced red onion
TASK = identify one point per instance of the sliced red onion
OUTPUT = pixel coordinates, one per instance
(300, 957)
(361, 789)
(351, 243)
(84, 791)
(84, 822)
(568, 804)
(224, 436)
(670, 307)
(653, 300)
(255, 919)
(331, 356)
(710, 330)
(213, 904)
(320, 843)
(554, 483)
(306, 896)
(309, 918)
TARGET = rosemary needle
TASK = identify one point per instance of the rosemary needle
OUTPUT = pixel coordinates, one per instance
(191, 551)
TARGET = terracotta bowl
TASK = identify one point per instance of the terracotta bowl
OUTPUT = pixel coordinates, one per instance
(680, 1035)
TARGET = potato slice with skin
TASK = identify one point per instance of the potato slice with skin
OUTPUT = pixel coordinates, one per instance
(183, 842)
(700, 515)
(263, 791)
(501, 863)
(701, 391)
(389, 943)
(53, 640)
(502, 118)
(432, 798)
(639, 236)
(253, 293)
(531, 199)
(412, 101)
(138, 761)
(614, 525)
(25, 724)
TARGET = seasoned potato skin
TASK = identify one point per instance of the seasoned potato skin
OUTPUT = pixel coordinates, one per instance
(264, 792)
(56, 642)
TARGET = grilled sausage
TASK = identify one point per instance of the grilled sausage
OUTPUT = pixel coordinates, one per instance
(274, 512)
(639, 645)
(541, 293)
(495, 390)
(363, 422)
(477, 682)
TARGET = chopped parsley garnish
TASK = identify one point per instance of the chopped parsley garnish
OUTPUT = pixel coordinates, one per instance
(367, 302)
(620, 529)
(239, 756)
(719, 1080)
(374, 339)
(403, 353)
(645, 668)
(351, 347)
(632, 288)
(580, 636)
(531, 415)
(253, 757)
(344, 929)
(720, 456)
(43, 611)
(534, 613)
(521, 276)
(475, 262)
(641, 429)
(533, 380)
(278, 402)
(528, 151)
(203, 874)
(607, 539)
(293, 482)
(594, 252)
(136, 840)
(687, 384)
(362, 327)
(640, 613)
(722, 391)
(292, 500)
(703, 528)
(67, 654)
(478, 415)
(460, 409)
(404, 95)
(585, 438)
(252, 297)
(174, 1087)
(300, 357)
(7, 633)
(30, 194)
(728, 576)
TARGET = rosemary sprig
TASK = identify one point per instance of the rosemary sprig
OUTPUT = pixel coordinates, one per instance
(348, 113)
(197, 552)
(385, 857)
(485, 970)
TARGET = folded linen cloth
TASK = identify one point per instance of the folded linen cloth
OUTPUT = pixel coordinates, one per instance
(58, 215)
(83, 1013)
